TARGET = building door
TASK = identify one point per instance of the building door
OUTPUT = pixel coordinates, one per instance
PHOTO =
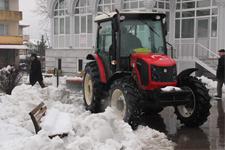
(202, 37)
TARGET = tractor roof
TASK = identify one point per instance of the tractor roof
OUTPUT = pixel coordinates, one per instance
(108, 16)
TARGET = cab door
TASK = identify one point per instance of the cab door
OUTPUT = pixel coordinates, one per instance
(104, 46)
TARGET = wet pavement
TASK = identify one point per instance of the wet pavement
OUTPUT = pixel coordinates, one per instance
(209, 136)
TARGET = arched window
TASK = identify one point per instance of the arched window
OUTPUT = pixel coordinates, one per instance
(61, 24)
(133, 4)
(106, 5)
(61, 18)
(83, 19)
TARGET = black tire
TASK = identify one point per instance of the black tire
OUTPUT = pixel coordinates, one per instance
(154, 111)
(92, 88)
(197, 111)
(127, 88)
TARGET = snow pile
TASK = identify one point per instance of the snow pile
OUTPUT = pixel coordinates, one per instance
(56, 122)
(104, 131)
(86, 131)
(210, 84)
(74, 78)
(9, 78)
(7, 69)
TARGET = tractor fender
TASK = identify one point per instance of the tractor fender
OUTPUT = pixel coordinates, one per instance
(101, 67)
(185, 73)
(118, 75)
(90, 57)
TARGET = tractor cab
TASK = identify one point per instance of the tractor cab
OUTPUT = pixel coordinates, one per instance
(122, 35)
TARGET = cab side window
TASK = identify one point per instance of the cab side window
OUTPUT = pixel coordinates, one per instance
(105, 36)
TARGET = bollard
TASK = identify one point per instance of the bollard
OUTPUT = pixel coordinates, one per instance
(57, 78)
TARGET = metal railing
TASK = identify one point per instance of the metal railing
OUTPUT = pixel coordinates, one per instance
(198, 53)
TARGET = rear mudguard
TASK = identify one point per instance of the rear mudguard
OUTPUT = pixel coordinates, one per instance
(185, 73)
(101, 67)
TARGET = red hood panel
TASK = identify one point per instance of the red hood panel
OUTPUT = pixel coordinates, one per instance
(155, 59)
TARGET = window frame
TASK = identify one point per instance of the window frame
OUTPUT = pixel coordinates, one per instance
(85, 14)
(109, 23)
(5, 29)
(200, 12)
(130, 2)
(104, 5)
(60, 13)
(6, 5)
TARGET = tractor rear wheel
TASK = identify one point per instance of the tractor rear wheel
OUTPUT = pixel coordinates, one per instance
(124, 96)
(196, 112)
(92, 88)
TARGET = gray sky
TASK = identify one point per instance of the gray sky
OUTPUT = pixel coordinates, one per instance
(36, 28)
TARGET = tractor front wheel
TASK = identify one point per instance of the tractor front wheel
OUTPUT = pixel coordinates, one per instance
(92, 88)
(196, 112)
(124, 97)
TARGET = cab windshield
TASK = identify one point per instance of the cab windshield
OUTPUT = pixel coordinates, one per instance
(141, 36)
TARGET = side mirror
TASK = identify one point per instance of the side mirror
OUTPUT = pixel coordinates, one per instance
(170, 50)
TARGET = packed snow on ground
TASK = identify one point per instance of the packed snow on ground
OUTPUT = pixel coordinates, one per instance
(66, 113)
(210, 84)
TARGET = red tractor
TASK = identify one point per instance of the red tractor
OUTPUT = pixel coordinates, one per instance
(131, 72)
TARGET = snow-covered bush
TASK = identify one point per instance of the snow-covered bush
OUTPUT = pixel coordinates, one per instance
(9, 78)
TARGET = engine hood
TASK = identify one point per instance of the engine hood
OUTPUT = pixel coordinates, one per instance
(155, 59)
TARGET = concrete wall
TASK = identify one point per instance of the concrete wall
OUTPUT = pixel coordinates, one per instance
(69, 58)
(184, 64)
(13, 28)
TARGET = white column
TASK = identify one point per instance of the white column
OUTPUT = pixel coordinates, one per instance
(51, 32)
(172, 22)
(50, 16)
(221, 23)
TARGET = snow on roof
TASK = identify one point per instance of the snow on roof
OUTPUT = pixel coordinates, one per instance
(104, 16)
(111, 14)
(13, 47)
